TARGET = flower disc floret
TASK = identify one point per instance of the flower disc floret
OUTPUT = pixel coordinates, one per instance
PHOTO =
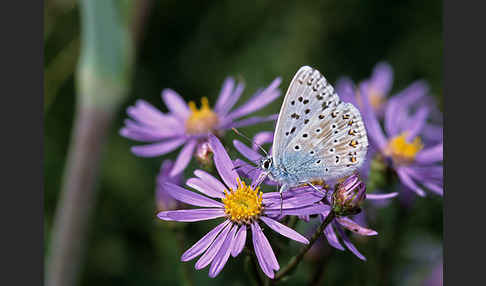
(402, 151)
(244, 204)
(203, 120)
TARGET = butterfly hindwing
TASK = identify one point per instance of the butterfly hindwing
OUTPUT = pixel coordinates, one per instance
(317, 136)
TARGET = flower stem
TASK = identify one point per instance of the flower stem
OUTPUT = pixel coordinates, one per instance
(186, 272)
(294, 262)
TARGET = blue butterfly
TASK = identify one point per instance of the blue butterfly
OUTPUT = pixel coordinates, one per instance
(317, 136)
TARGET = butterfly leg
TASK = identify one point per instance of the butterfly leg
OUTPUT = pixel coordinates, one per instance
(317, 189)
(284, 188)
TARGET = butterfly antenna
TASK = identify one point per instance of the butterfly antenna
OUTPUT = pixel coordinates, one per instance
(281, 204)
(249, 140)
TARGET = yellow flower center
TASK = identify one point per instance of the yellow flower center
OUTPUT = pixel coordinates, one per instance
(243, 204)
(202, 120)
(402, 151)
(376, 98)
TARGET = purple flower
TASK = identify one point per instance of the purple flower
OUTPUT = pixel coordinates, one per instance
(186, 125)
(377, 87)
(162, 198)
(349, 195)
(400, 143)
(243, 209)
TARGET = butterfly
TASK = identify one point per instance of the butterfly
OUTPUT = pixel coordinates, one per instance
(318, 137)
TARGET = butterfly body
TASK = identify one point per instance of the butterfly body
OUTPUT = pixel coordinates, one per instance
(317, 137)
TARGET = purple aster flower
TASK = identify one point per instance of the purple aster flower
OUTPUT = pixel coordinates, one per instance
(243, 208)
(377, 87)
(186, 125)
(400, 143)
(162, 198)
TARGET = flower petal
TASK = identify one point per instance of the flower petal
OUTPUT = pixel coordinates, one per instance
(225, 94)
(284, 230)
(223, 254)
(265, 255)
(209, 255)
(375, 132)
(203, 188)
(408, 182)
(431, 155)
(308, 210)
(258, 101)
(417, 122)
(228, 123)
(175, 103)
(192, 214)
(157, 149)
(332, 238)
(382, 77)
(189, 197)
(184, 157)
(240, 240)
(211, 181)
(223, 163)
(200, 246)
(376, 196)
(246, 151)
(262, 138)
(354, 227)
(294, 198)
(349, 244)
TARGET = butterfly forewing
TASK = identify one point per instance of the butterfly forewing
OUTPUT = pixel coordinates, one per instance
(317, 135)
(307, 93)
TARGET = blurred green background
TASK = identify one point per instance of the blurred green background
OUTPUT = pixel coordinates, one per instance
(191, 47)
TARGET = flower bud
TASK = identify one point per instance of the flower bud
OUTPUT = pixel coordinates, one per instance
(348, 196)
(204, 154)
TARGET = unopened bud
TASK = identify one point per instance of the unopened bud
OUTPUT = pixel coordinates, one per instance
(348, 196)
(204, 154)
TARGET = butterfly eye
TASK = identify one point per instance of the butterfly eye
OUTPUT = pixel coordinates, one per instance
(266, 164)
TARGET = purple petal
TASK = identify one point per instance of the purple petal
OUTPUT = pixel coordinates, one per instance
(147, 114)
(382, 77)
(240, 240)
(223, 163)
(248, 121)
(265, 255)
(408, 182)
(292, 199)
(200, 246)
(183, 158)
(175, 103)
(223, 254)
(430, 155)
(261, 138)
(354, 227)
(417, 122)
(332, 238)
(394, 112)
(246, 151)
(209, 255)
(225, 94)
(375, 132)
(204, 188)
(210, 181)
(258, 101)
(192, 215)
(189, 197)
(435, 188)
(284, 230)
(145, 133)
(375, 196)
(345, 89)
(349, 244)
(308, 210)
(158, 149)
(266, 268)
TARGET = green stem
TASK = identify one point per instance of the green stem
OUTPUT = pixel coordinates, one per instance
(294, 262)
(186, 271)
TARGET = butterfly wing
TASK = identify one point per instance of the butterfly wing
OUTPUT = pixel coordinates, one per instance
(329, 139)
(307, 91)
